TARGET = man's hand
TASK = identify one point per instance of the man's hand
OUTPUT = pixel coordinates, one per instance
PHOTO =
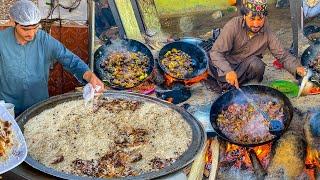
(91, 78)
(232, 78)
(301, 71)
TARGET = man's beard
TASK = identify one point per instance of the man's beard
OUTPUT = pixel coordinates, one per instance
(250, 29)
(255, 31)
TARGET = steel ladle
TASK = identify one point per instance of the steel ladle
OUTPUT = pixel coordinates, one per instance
(275, 125)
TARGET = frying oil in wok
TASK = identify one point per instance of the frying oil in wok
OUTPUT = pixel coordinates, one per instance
(241, 123)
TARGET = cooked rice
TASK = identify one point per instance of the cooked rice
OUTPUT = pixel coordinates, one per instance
(73, 131)
(7, 140)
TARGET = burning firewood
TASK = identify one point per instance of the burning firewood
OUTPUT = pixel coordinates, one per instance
(288, 159)
(312, 133)
(198, 164)
(258, 169)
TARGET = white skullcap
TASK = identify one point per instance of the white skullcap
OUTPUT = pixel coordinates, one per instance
(25, 12)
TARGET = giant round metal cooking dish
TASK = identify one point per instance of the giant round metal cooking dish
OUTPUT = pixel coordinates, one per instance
(197, 142)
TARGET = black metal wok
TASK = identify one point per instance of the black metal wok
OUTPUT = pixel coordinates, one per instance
(197, 143)
(198, 55)
(310, 55)
(233, 95)
(309, 30)
(127, 44)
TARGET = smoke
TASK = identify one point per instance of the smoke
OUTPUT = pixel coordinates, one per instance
(235, 174)
(118, 46)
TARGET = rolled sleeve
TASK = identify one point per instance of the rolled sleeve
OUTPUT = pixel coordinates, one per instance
(221, 47)
(71, 62)
(289, 62)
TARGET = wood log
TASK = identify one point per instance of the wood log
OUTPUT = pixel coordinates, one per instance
(258, 169)
(197, 167)
(288, 158)
(215, 147)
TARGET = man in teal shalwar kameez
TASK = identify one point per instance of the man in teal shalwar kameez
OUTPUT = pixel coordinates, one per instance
(26, 54)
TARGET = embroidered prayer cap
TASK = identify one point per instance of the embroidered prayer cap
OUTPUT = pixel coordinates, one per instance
(257, 6)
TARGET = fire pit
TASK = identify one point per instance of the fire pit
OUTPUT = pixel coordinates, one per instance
(293, 155)
(238, 157)
(288, 158)
(312, 160)
(312, 163)
(247, 155)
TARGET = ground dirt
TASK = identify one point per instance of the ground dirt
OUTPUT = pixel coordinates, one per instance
(279, 20)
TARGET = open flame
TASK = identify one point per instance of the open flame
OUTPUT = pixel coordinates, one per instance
(312, 158)
(263, 152)
(312, 163)
(169, 81)
(238, 156)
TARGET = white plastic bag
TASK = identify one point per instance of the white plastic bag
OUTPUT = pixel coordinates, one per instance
(88, 93)
(4, 113)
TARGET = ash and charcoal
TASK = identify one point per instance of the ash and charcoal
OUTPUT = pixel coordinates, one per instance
(235, 174)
